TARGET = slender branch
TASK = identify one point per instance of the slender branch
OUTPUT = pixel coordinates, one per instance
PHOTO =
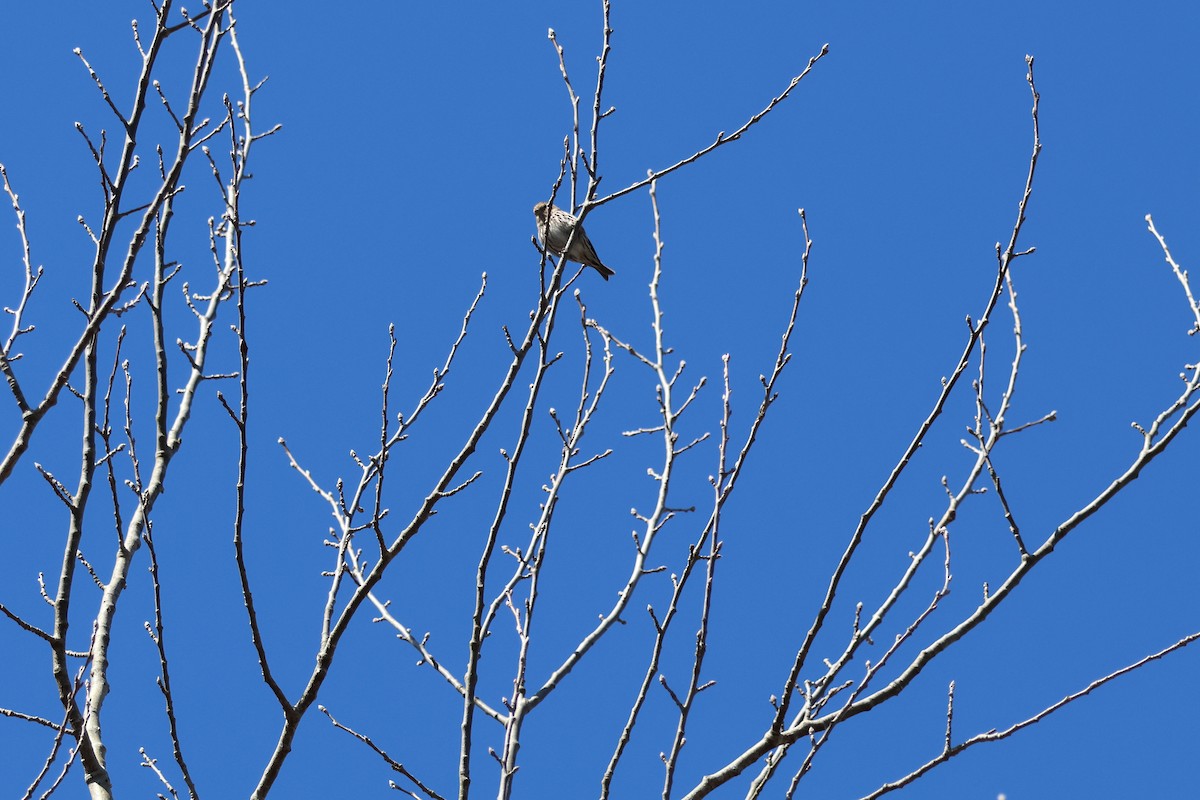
(241, 418)
(721, 139)
(391, 762)
(158, 636)
(949, 751)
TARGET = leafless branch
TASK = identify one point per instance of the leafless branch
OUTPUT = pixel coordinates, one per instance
(391, 762)
(721, 139)
(158, 636)
(950, 750)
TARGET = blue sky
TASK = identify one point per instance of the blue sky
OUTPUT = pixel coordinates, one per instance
(417, 137)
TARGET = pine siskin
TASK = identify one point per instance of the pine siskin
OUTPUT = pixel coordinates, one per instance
(559, 230)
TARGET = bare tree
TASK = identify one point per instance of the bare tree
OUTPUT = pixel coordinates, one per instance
(838, 672)
(81, 673)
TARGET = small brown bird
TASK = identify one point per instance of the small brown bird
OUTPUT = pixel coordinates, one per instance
(558, 230)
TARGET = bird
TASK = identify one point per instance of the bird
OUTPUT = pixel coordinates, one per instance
(558, 231)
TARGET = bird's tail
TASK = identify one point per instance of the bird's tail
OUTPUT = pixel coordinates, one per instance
(604, 271)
